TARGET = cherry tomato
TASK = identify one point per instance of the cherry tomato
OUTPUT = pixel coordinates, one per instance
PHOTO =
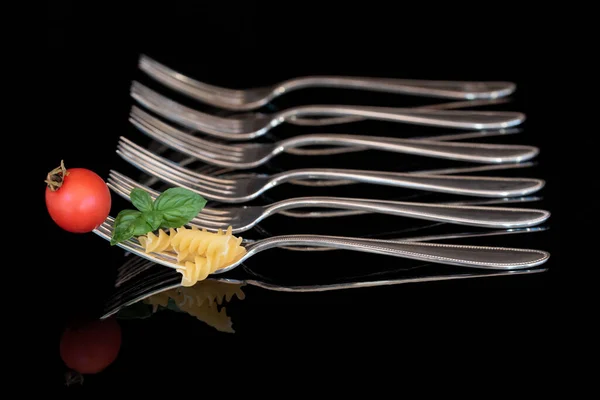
(91, 347)
(77, 199)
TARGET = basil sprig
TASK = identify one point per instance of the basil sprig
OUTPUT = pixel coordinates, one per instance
(173, 208)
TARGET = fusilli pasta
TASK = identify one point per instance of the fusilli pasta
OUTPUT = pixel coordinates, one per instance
(201, 252)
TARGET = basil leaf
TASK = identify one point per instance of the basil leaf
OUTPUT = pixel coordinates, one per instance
(130, 223)
(178, 206)
(141, 199)
(124, 226)
(153, 220)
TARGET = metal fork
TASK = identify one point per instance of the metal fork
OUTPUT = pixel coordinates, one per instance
(253, 126)
(229, 173)
(253, 98)
(324, 121)
(245, 218)
(226, 173)
(482, 257)
(247, 156)
(246, 189)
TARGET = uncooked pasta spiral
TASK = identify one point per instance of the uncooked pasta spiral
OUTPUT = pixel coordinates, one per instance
(201, 252)
(157, 244)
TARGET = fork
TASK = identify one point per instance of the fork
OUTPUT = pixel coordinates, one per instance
(212, 170)
(248, 99)
(324, 121)
(247, 156)
(254, 126)
(481, 257)
(244, 218)
(246, 189)
(225, 172)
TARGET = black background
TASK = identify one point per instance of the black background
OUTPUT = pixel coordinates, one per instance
(94, 52)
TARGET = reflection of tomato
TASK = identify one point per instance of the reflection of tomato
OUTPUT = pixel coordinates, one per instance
(90, 348)
(79, 202)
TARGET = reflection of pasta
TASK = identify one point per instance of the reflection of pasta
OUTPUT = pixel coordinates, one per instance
(202, 301)
(201, 252)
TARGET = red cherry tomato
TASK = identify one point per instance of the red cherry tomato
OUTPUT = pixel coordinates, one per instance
(91, 347)
(77, 199)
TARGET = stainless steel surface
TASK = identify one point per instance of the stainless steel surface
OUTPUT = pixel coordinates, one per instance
(247, 156)
(254, 126)
(244, 218)
(253, 98)
(246, 189)
(480, 257)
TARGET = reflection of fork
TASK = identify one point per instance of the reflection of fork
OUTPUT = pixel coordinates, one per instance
(140, 278)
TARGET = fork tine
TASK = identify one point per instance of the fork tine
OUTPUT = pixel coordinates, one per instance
(176, 176)
(180, 113)
(177, 81)
(105, 231)
(133, 267)
(149, 279)
(172, 140)
(137, 149)
(124, 184)
(213, 170)
(118, 300)
(207, 189)
(140, 115)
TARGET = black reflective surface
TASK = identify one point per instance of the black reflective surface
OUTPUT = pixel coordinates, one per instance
(92, 69)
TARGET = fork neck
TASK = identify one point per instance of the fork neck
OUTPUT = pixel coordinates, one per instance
(312, 140)
(307, 202)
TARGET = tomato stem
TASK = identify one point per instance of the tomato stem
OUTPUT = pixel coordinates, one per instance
(73, 377)
(56, 177)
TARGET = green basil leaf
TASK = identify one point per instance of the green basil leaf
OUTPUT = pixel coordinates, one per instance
(130, 223)
(178, 206)
(124, 226)
(153, 220)
(141, 199)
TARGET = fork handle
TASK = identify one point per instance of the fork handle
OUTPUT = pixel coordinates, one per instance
(461, 119)
(466, 90)
(488, 217)
(497, 258)
(471, 152)
(481, 186)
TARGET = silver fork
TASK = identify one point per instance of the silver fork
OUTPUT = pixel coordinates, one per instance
(245, 189)
(253, 126)
(159, 279)
(247, 156)
(324, 121)
(229, 173)
(481, 257)
(245, 218)
(253, 98)
(226, 173)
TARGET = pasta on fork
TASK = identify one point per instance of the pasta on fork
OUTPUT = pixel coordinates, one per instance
(199, 251)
